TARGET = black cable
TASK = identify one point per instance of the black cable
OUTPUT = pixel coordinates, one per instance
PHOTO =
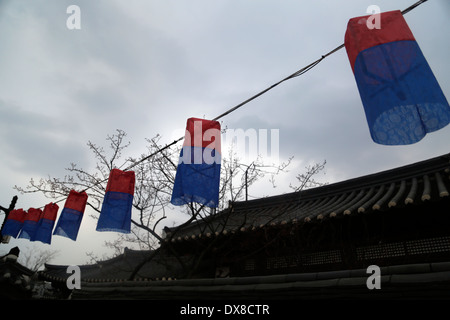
(304, 69)
(418, 3)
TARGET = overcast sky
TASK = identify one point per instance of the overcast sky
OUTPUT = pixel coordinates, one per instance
(145, 66)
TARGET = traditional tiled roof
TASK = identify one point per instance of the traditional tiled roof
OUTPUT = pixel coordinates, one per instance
(399, 281)
(15, 279)
(409, 185)
(117, 269)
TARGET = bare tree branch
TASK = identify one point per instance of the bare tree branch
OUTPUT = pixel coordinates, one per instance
(153, 188)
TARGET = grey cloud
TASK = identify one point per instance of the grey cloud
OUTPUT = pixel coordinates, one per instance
(35, 143)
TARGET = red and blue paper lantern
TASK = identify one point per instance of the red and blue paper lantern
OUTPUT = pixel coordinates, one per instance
(401, 96)
(14, 223)
(46, 223)
(30, 224)
(71, 216)
(198, 173)
(117, 203)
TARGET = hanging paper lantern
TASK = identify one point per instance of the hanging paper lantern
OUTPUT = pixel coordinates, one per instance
(71, 216)
(30, 223)
(117, 204)
(198, 172)
(402, 99)
(14, 223)
(46, 224)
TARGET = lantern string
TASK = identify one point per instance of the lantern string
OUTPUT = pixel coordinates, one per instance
(294, 75)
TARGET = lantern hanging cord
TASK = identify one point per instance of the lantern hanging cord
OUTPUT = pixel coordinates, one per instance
(304, 69)
(294, 75)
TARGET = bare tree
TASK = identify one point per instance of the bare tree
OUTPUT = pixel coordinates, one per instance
(36, 258)
(154, 181)
(307, 180)
(152, 190)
